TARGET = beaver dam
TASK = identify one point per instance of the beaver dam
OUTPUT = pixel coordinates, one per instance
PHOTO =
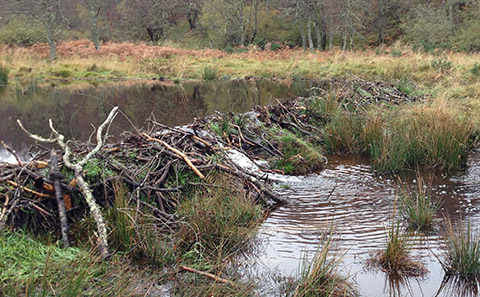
(229, 204)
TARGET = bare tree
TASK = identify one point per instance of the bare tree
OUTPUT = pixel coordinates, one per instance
(46, 12)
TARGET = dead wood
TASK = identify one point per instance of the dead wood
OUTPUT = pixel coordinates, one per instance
(209, 275)
(56, 176)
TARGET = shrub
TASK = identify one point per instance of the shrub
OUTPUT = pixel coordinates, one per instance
(275, 47)
(21, 31)
(210, 73)
(229, 49)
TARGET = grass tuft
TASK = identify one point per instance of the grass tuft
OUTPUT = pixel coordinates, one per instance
(320, 277)
(395, 259)
(210, 73)
(219, 218)
(418, 208)
(462, 253)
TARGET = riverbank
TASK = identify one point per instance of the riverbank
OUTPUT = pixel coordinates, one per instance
(444, 73)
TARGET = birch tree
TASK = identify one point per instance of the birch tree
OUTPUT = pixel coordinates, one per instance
(94, 7)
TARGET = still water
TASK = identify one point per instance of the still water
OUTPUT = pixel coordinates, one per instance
(76, 109)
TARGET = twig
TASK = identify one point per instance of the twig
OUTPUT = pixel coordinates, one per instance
(209, 275)
(43, 195)
(176, 151)
(13, 152)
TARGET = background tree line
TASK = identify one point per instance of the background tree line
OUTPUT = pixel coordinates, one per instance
(311, 24)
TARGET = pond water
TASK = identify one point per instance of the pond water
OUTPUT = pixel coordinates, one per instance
(346, 194)
(359, 204)
(75, 109)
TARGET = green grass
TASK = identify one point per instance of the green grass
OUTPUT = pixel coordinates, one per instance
(3, 76)
(462, 253)
(210, 73)
(299, 156)
(418, 208)
(29, 267)
(320, 277)
(136, 234)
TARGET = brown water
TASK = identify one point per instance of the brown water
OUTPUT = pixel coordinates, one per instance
(76, 109)
(360, 208)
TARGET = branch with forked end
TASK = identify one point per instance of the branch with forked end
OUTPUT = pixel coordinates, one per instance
(78, 169)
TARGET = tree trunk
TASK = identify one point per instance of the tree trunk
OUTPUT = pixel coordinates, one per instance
(94, 12)
(324, 35)
(51, 41)
(318, 35)
(309, 35)
(192, 19)
(255, 21)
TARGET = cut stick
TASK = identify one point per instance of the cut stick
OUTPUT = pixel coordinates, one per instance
(176, 151)
(209, 275)
(30, 190)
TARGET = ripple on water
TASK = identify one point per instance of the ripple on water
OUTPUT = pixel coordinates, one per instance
(360, 204)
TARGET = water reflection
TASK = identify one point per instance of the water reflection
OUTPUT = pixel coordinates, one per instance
(75, 109)
(458, 286)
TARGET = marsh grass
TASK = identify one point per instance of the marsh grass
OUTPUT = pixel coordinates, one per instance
(219, 219)
(210, 73)
(418, 208)
(396, 259)
(321, 276)
(437, 135)
(462, 252)
(136, 232)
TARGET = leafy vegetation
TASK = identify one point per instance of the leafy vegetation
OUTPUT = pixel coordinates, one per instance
(3, 76)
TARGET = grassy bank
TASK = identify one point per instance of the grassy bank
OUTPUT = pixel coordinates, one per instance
(452, 74)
